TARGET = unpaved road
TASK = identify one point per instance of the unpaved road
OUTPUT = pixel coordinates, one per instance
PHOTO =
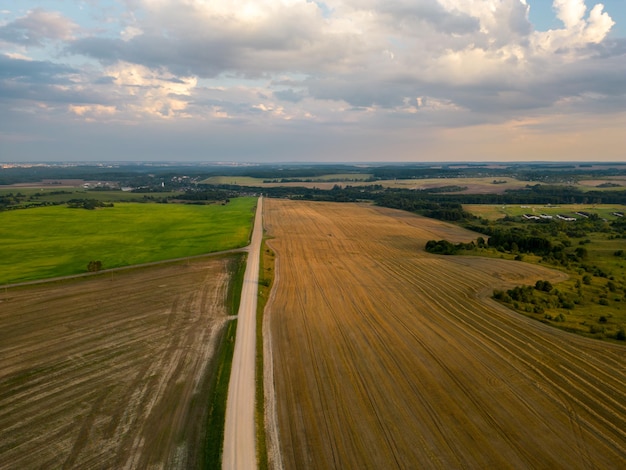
(239, 431)
(388, 357)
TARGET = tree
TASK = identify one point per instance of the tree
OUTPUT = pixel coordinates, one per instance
(544, 286)
(94, 266)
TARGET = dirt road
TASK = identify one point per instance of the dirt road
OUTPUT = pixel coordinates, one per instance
(239, 431)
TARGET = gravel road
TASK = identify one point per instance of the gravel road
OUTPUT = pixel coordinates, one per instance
(239, 432)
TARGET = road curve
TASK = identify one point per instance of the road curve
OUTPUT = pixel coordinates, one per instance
(239, 430)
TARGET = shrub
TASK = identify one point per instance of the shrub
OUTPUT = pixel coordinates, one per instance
(441, 247)
(94, 266)
(544, 286)
(593, 329)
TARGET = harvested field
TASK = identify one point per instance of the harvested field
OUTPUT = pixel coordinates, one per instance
(388, 357)
(111, 372)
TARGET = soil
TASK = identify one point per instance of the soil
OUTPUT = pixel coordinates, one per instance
(111, 371)
(385, 356)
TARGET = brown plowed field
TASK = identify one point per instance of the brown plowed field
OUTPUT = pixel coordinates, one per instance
(388, 357)
(110, 372)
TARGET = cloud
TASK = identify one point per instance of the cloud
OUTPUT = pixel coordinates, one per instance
(32, 71)
(570, 12)
(37, 27)
(333, 66)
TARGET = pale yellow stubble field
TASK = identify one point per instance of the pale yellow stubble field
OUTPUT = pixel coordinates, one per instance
(388, 357)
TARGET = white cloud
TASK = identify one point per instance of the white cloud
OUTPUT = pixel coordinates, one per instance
(282, 64)
(92, 112)
(38, 26)
(599, 25)
(144, 91)
(570, 12)
(579, 32)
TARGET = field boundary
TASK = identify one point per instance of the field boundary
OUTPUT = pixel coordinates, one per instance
(121, 268)
(272, 435)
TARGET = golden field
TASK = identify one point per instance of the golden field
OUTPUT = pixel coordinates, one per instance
(385, 356)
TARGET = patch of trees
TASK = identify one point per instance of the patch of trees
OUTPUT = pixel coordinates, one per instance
(89, 204)
(528, 299)
(402, 172)
(207, 194)
(538, 299)
(94, 266)
(445, 189)
(444, 247)
(518, 240)
(423, 204)
(10, 199)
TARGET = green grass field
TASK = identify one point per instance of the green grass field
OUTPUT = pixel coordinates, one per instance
(40, 196)
(495, 211)
(46, 242)
(598, 306)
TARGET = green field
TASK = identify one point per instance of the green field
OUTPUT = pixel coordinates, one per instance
(495, 211)
(46, 242)
(43, 196)
(592, 302)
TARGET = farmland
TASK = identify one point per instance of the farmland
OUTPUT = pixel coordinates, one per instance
(462, 185)
(587, 242)
(112, 371)
(471, 185)
(45, 242)
(388, 357)
(494, 212)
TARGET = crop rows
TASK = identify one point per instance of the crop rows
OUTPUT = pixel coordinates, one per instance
(110, 372)
(388, 357)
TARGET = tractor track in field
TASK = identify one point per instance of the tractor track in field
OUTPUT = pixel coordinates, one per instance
(388, 357)
(121, 269)
(109, 372)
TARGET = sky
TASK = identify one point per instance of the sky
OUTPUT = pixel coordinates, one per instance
(312, 81)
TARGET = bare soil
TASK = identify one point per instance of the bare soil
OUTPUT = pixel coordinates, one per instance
(110, 372)
(388, 357)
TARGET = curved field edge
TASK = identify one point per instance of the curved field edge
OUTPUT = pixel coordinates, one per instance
(385, 356)
(47, 242)
(115, 370)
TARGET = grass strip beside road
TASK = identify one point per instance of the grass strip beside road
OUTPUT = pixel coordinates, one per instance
(219, 393)
(224, 359)
(48, 242)
(233, 296)
(266, 280)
